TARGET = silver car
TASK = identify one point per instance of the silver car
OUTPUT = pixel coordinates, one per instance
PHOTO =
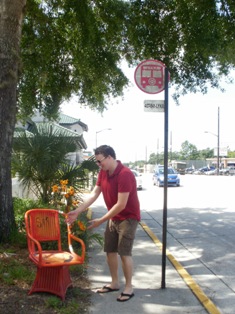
(138, 178)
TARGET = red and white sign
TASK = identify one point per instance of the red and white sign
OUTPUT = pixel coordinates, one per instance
(150, 76)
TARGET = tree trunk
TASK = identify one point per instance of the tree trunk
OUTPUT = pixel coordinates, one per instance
(11, 15)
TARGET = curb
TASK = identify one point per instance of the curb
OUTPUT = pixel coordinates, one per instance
(89, 213)
(201, 296)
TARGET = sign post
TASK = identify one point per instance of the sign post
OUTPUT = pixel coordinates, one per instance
(152, 77)
(164, 223)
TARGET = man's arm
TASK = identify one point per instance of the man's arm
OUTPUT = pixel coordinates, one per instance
(72, 216)
(116, 209)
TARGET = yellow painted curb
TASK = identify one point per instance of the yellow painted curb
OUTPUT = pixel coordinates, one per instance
(206, 302)
(89, 213)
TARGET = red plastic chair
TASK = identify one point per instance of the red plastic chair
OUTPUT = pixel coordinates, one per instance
(42, 225)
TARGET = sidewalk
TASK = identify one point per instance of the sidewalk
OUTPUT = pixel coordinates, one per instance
(149, 297)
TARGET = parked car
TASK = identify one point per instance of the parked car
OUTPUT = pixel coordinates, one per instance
(138, 178)
(211, 172)
(232, 170)
(173, 178)
(189, 170)
(204, 170)
(224, 171)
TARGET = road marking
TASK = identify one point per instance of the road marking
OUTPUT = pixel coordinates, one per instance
(89, 213)
(202, 297)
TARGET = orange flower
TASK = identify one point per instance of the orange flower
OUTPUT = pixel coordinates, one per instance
(64, 195)
(75, 202)
(63, 188)
(67, 195)
(81, 225)
(71, 190)
(55, 188)
(64, 182)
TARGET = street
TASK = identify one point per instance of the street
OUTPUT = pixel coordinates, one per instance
(200, 230)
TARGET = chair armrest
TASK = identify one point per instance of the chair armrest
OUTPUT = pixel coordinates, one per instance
(72, 236)
(39, 248)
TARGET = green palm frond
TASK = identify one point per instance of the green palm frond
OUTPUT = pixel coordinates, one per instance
(40, 159)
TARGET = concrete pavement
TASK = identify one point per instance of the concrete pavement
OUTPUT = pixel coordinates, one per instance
(181, 294)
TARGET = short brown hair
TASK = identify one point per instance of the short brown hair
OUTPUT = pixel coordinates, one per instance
(106, 151)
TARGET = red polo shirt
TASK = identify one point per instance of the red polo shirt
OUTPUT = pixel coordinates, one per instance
(121, 181)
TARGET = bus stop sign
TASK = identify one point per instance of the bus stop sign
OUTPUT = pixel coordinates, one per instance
(149, 76)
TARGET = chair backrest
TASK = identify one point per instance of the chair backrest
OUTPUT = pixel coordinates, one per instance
(43, 225)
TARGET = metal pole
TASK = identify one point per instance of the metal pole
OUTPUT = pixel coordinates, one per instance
(164, 228)
(157, 149)
(99, 132)
(218, 143)
(171, 145)
(146, 153)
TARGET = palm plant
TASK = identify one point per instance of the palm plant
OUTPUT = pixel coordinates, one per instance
(40, 158)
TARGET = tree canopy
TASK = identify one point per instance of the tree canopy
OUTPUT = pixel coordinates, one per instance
(70, 48)
(73, 47)
(195, 39)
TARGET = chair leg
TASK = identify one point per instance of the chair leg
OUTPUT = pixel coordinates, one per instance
(54, 280)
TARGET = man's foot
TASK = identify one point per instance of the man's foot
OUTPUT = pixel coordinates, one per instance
(106, 289)
(125, 297)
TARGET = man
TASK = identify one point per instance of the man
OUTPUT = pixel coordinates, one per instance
(118, 185)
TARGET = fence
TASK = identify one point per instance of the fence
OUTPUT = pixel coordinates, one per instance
(19, 191)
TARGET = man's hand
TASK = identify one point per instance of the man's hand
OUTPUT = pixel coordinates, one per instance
(71, 217)
(94, 223)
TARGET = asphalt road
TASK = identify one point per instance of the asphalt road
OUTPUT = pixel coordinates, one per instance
(200, 230)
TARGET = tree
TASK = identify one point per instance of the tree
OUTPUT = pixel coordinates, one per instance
(10, 33)
(206, 153)
(71, 48)
(231, 154)
(174, 156)
(75, 47)
(68, 48)
(156, 159)
(153, 159)
(188, 151)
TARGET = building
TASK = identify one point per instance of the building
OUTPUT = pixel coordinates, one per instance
(224, 162)
(71, 126)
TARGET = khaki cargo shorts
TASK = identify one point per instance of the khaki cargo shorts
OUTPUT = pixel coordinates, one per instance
(119, 236)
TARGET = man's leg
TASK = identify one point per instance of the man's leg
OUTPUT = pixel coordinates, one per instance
(112, 260)
(127, 267)
(127, 230)
(110, 247)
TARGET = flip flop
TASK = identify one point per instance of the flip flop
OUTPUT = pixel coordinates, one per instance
(129, 296)
(106, 289)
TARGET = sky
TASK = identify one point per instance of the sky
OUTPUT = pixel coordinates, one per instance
(135, 134)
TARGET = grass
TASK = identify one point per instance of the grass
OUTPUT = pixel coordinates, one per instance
(11, 271)
(17, 274)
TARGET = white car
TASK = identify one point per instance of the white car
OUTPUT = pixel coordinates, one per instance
(138, 178)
